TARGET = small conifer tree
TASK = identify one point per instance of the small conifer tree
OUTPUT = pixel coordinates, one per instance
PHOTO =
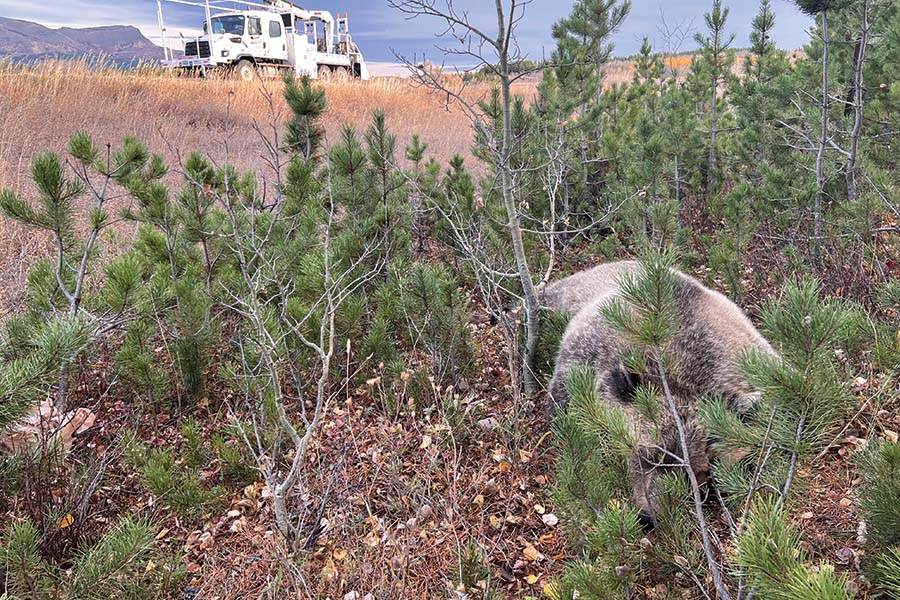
(419, 183)
(392, 210)
(304, 130)
(803, 395)
(727, 256)
(772, 559)
(421, 302)
(717, 59)
(593, 494)
(125, 563)
(472, 576)
(879, 466)
(27, 370)
(61, 286)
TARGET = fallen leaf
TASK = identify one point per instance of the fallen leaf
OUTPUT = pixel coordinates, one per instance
(425, 512)
(426, 442)
(163, 533)
(207, 540)
(539, 509)
(530, 553)
(329, 570)
(844, 555)
(549, 519)
(532, 579)
(66, 521)
(488, 423)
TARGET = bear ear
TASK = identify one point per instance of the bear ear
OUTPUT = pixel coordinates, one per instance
(622, 384)
(745, 402)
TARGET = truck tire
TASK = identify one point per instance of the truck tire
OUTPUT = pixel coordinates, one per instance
(245, 70)
(341, 75)
(324, 73)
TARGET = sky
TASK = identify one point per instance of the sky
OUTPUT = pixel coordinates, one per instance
(382, 32)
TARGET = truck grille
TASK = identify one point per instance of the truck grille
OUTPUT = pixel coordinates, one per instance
(190, 49)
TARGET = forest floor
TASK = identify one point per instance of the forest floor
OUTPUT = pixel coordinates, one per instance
(402, 490)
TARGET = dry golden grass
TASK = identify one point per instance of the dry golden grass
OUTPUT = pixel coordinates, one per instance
(41, 106)
(620, 72)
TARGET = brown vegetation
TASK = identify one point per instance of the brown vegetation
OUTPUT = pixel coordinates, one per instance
(42, 106)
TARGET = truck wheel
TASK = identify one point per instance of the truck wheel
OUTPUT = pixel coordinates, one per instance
(341, 74)
(324, 73)
(245, 70)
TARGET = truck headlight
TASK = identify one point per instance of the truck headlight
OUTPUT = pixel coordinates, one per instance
(225, 53)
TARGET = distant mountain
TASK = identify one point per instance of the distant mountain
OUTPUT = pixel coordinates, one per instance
(26, 41)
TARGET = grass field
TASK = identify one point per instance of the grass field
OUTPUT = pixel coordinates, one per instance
(43, 105)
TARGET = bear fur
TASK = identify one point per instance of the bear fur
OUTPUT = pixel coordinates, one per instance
(713, 332)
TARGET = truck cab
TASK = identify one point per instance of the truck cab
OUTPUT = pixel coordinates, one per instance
(245, 39)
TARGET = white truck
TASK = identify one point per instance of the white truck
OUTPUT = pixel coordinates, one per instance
(267, 39)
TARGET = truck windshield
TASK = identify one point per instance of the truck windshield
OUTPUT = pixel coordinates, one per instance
(230, 25)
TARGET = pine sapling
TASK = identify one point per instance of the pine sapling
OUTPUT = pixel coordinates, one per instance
(650, 326)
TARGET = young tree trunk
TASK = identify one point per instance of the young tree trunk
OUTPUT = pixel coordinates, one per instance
(644, 225)
(529, 292)
(677, 189)
(713, 133)
(714, 568)
(654, 205)
(857, 104)
(739, 258)
(387, 223)
(823, 140)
